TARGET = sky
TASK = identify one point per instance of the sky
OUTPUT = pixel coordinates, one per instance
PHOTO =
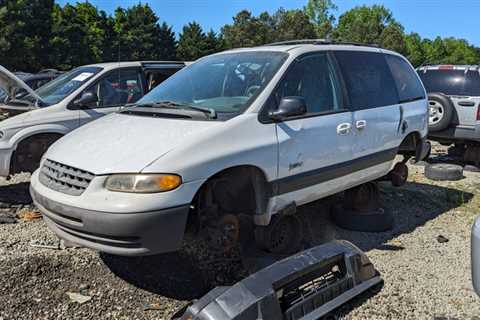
(429, 18)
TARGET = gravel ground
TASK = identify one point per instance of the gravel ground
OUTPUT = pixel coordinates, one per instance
(423, 278)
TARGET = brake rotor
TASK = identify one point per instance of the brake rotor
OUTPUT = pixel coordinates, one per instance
(225, 233)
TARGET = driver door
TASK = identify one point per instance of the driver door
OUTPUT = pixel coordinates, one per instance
(114, 90)
(315, 149)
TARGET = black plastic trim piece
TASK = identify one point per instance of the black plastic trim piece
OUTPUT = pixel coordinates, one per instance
(313, 177)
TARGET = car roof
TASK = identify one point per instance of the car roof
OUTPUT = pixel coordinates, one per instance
(304, 46)
(124, 64)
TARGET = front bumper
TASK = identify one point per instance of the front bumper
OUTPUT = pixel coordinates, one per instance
(127, 234)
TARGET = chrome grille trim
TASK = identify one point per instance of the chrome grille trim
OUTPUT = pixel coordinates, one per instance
(63, 178)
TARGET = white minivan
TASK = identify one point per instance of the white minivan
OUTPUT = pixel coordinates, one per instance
(38, 118)
(248, 133)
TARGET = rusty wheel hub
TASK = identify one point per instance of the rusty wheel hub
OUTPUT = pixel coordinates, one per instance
(224, 234)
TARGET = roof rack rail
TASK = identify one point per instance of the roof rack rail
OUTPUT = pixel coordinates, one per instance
(320, 42)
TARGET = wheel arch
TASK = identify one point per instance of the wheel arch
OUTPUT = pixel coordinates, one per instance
(248, 181)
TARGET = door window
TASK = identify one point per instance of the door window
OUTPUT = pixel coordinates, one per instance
(312, 78)
(409, 87)
(368, 79)
(118, 88)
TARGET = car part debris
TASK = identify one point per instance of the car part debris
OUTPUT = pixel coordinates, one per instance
(308, 285)
(78, 298)
(30, 215)
(152, 306)
(442, 239)
(40, 245)
(375, 220)
(444, 172)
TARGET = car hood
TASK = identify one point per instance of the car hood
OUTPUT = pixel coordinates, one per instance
(9, 83)
(121, 143)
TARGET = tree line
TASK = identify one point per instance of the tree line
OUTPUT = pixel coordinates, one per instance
(36, 34)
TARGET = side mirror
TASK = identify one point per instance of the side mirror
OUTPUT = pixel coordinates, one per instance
(289, 107)
(88, 99)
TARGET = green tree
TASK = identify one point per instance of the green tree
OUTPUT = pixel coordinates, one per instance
(192, 43)
(415, 50)
(167, 50)
(81, 34)
(393, 38)
(25, 27)
(138, 35)
(293, 24)
(248, 31)
(459, 51)
(320, 14)
(364, 24)
(213, 43)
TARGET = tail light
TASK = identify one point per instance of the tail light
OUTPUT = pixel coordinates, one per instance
(478, 113)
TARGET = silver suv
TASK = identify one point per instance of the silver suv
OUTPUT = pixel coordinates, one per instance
(454, 103)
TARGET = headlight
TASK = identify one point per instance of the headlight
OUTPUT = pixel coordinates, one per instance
(143, 183)
(2, 134)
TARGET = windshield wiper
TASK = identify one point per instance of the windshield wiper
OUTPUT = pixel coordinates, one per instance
(211, 113)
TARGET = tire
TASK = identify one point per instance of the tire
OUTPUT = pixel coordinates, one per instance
(444, 172)
(440, 112)
(377, 220)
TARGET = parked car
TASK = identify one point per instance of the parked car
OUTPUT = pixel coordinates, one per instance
(73, 99)
(34, 81)
(244, 134)
(475, 255)
(454, 102)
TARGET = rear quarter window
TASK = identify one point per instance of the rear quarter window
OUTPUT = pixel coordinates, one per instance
(472, 85)
(409, 87)
(368, 79)
(449, 82)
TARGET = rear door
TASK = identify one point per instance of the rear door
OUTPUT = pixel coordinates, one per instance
(373, 96)
(114, 90)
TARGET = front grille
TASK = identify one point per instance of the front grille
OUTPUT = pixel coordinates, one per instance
(63, 178)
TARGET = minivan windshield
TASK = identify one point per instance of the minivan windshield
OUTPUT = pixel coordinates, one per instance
(58, 89)
(225, 83)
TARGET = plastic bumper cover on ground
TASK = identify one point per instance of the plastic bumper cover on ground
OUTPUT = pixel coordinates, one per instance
(129, 234)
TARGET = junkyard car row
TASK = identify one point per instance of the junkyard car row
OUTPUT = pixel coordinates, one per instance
(174, 152)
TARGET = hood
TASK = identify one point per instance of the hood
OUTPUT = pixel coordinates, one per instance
(9, 84)
(120, 143)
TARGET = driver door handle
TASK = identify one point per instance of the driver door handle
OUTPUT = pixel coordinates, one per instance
(361, 124)
(344, 128)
